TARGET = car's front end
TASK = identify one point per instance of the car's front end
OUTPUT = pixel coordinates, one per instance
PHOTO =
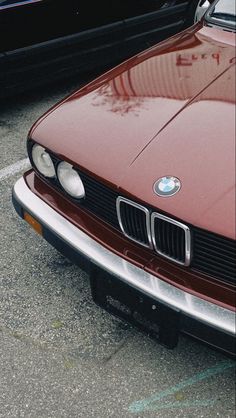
(133, 177)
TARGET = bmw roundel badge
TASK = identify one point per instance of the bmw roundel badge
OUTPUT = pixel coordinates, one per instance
(167, 186)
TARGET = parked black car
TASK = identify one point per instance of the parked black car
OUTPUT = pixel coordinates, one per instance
(44, 40)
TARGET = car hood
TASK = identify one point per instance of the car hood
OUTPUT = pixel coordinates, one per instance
(155, 115)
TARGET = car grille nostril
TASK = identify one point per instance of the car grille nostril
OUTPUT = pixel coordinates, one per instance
(134, 221)
(171, 238)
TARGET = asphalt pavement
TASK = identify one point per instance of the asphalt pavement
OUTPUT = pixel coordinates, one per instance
(62, 356)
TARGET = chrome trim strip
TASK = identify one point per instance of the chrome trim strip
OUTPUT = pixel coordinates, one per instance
(193, 306)
(187, 238)
(121, 199)
(19, 3)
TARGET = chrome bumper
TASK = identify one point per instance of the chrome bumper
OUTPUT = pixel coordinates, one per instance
(206, 312)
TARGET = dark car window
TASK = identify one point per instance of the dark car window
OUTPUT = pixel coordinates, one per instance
(132, 8)
(23, 23)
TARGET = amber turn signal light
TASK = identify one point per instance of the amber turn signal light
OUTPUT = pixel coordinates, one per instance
(32, 222)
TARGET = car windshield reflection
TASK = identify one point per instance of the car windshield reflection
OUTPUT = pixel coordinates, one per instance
(222, 13)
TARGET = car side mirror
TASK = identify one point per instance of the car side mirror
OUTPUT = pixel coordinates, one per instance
(201, 9)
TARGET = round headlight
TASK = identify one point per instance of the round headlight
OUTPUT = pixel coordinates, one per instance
(70, 180)
(43, 161)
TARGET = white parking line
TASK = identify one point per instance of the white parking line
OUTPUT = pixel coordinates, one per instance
(14, 168)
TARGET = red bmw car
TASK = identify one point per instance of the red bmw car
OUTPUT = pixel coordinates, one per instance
(133, 178)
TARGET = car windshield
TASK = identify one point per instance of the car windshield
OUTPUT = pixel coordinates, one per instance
(222, 13)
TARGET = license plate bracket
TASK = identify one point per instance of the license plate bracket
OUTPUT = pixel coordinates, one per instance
(157, 320)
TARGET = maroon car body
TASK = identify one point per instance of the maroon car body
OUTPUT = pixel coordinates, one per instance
(168, 111)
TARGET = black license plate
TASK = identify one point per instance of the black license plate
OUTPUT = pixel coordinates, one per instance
(118, 298)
